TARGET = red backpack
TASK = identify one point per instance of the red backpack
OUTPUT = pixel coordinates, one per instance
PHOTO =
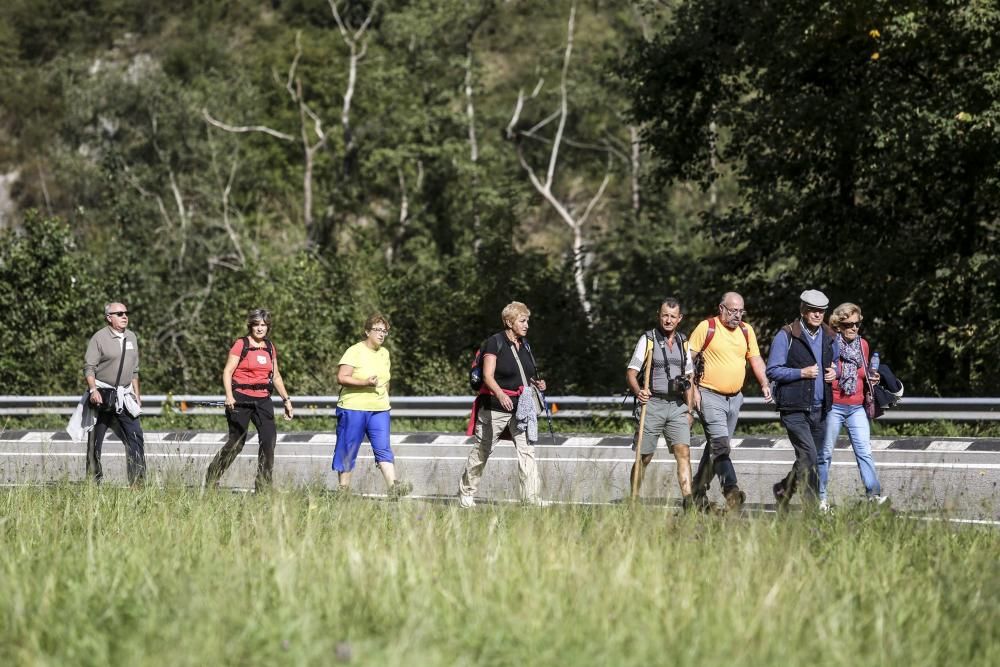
(699, 360)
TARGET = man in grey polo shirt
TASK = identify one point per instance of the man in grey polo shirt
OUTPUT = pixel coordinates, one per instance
(104, 368)
(668, 399)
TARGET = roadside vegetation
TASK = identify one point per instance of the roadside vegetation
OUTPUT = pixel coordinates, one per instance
(165, 576)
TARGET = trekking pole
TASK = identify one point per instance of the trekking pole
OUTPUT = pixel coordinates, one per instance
(548, 414)
(637, 477)
(211, 404)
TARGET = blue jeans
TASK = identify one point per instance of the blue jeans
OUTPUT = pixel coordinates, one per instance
(860, 434)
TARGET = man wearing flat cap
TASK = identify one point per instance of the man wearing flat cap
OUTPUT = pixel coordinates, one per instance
(800, 365)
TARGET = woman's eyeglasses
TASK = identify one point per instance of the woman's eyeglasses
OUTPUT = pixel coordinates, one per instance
(380, 331)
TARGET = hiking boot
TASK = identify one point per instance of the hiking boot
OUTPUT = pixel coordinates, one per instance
(702, 503)
(734, 499)
(466, 502)
(687, 504)
(780, 495)
(400, 489)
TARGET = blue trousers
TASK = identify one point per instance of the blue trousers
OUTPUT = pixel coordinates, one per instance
(352, 427)
(859, 432)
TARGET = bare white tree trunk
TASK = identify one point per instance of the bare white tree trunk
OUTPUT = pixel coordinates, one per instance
(357, 45)
(713, 135)
(45, 188)
(544, 187)
(293, 85)
(403, 221)
(636, 142)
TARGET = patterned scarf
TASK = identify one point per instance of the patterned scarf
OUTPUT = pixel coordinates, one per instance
(851, 358)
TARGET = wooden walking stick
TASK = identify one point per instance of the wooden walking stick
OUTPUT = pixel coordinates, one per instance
(637, 474)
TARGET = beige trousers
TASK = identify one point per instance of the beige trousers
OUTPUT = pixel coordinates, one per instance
(489, 425)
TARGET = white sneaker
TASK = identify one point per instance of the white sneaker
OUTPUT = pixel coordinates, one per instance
(538, 502)
(879, 500)
(824, 506)
(466, 502)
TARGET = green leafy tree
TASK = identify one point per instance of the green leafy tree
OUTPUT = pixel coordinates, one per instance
(864, 140)
(51, 304)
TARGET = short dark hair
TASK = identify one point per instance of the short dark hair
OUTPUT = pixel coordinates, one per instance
(259, 315)
(376, 318)
(671, 302)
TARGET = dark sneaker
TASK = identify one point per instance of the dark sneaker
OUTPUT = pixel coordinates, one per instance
(735, 499)
(400, 489)
(780, 496)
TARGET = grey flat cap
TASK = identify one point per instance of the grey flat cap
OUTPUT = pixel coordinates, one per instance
(813, 298)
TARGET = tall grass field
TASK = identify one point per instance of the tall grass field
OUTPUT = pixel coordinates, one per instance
(168, 576)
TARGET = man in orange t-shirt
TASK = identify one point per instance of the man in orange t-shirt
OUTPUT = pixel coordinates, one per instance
(718, 393)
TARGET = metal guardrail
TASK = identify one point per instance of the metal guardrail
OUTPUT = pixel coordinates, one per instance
(564, 407)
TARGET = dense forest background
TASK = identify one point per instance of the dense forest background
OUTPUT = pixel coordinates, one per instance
(436, 159)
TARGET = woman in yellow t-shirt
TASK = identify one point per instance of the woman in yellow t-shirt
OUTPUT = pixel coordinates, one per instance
(363, 407)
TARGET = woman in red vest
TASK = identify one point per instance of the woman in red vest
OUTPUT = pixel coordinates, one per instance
(250, 375)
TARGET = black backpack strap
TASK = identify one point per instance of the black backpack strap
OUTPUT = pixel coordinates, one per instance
(531, 355)
(684, 351)
(659, 340)
(246, 349)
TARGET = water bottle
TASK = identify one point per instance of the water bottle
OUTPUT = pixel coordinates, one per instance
(873, 366)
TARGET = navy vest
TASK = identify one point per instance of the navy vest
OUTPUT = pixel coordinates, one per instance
(798, 394)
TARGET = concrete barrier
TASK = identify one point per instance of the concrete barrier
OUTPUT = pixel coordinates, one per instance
(958, 476)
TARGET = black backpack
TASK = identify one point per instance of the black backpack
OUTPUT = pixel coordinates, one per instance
(476, 371)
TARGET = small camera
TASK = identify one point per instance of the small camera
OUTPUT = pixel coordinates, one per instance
(678, 385)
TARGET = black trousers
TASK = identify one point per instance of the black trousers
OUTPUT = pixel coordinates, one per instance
(129, 431)
(248, 409)
(806, 430)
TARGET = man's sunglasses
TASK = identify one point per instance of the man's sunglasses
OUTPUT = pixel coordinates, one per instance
(119, 313)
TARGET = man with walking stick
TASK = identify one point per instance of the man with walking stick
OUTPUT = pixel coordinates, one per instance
(664, 398)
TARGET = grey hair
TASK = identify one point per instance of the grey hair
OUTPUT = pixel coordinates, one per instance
(107, 307)
(259, 315)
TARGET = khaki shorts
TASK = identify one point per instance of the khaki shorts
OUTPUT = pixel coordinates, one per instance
(666, 417)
